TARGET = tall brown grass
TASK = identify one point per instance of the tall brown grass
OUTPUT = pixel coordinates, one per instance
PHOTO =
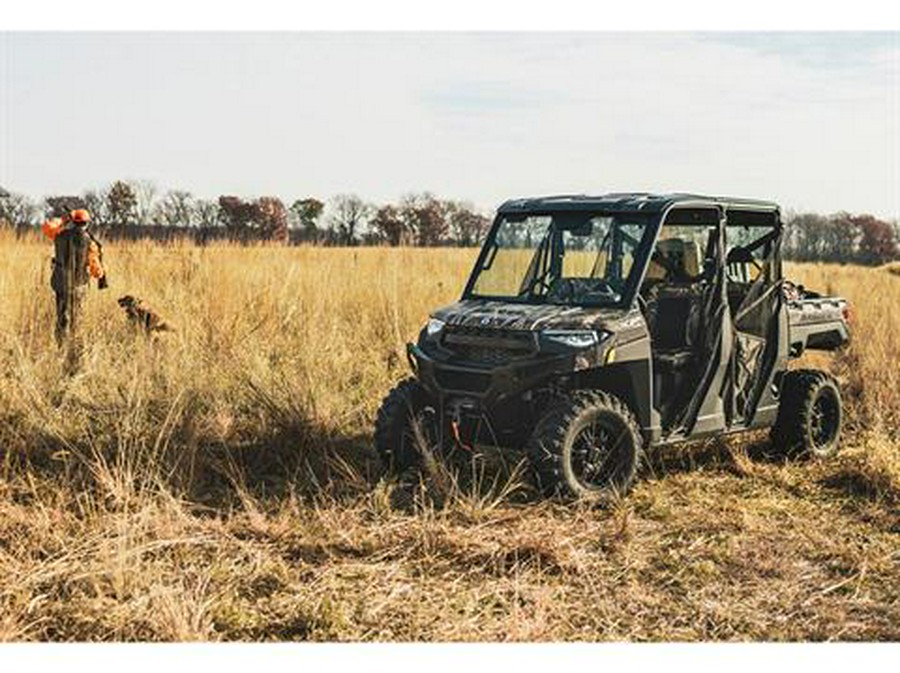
(218, 482)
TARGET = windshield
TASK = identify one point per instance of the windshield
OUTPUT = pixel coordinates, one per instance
(565, 258)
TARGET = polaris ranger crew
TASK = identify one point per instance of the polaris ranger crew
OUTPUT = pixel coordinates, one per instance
(595, 328)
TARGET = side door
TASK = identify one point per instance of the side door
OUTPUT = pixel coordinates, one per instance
(684, 293)
(753, 286)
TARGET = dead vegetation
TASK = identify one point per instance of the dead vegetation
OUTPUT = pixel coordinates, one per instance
(218, 483)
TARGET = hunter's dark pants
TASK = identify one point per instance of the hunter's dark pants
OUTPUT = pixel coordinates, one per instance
(68, 313)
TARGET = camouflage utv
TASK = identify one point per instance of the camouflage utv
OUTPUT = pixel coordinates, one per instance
(594, 329)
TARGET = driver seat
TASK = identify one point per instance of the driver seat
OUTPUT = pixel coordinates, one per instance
(679, 254)
(675, 321)
(674, 309)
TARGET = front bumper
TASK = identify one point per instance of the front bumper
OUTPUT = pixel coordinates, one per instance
(489, 384)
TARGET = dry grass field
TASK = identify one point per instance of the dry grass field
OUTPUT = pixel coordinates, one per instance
(219, 484)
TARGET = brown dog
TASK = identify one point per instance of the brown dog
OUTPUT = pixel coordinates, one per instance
(142, 316)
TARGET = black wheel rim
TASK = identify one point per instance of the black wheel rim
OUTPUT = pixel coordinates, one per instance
(596, 453)
(824, 419)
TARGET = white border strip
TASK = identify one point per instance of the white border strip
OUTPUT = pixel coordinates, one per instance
(457, 15)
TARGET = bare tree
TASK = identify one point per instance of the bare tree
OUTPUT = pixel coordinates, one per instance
(806, 236)
(145, 192)
(177, 208)
(17, 210)
(841, 236)
(206, 213)
(58, 206)
(348, 216)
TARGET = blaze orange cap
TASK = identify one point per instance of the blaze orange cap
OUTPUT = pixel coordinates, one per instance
(80, 215)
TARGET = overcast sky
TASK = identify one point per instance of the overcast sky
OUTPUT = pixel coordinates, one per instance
(810, 120)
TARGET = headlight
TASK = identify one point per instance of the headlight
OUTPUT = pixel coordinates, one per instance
(433, 327)
(572, 338)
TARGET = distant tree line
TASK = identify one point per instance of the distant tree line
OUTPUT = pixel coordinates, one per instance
(842, 237)
(137, 209)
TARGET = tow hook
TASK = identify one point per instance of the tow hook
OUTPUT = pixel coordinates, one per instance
(454, 427)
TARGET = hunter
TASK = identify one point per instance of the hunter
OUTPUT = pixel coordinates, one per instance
(78, 258)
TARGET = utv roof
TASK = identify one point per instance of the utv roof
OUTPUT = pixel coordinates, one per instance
(628, 202)
(3, 193)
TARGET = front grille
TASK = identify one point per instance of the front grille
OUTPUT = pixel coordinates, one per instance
(487, 345)
(484, 356)
(469, 382)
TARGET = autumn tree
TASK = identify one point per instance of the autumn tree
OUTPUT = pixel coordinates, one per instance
(235, 215)
(427, 217)
(877, 243)
(467, 227)
(390, 226)
(271, 219)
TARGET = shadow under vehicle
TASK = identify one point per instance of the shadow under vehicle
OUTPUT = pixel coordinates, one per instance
(593, 329)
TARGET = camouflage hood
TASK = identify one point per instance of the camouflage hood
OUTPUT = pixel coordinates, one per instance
(532, 317)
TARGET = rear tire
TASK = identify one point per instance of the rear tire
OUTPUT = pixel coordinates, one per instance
(396, 438)
(588, 446)
(810, 415)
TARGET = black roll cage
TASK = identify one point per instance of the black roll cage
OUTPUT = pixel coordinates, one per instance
(555, 250)
(748, 213)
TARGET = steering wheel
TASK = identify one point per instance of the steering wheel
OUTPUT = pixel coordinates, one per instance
(642, 303)
(541, 284)
(536, 287)
(569, 289)
(561, 288)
